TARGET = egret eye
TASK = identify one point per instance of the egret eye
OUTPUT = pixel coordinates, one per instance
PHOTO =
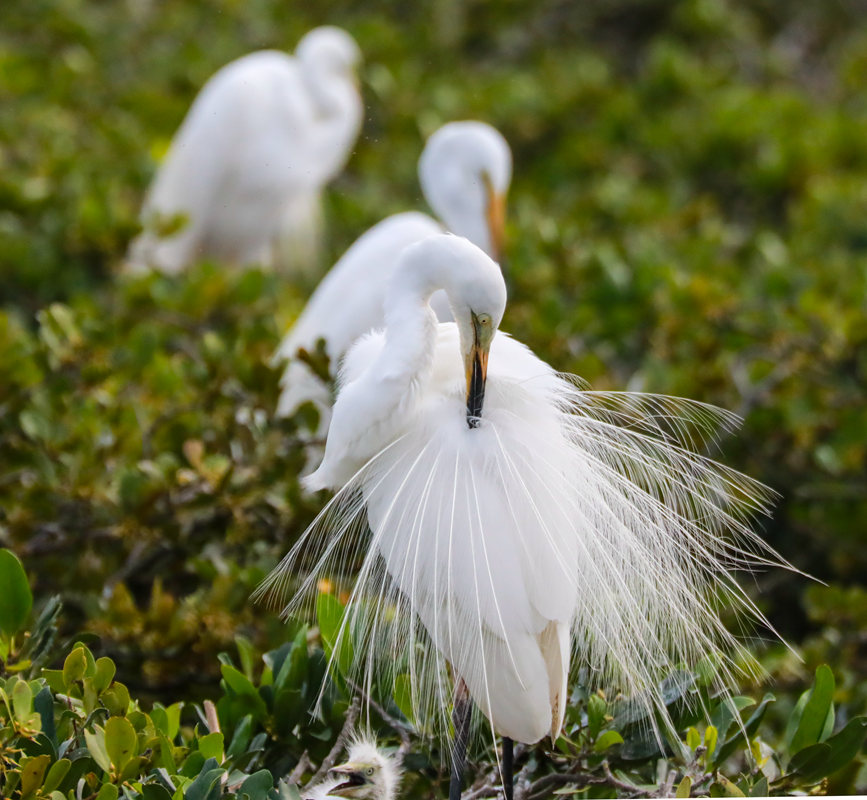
(369, 771)
(484, 319)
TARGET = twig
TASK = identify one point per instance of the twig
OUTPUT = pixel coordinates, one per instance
(402, 730)
(544, 785)
(331, 759)
(300, 768)
(667, 788)
(636, 791)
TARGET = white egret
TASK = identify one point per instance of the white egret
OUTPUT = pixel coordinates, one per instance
(501, 513)
(464, 171)
(247, 166)
(368, 774)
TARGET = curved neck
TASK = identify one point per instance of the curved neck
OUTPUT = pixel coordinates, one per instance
(410, 330)
(338, 118)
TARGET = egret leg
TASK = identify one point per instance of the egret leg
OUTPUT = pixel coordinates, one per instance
(461, 720)
(508, 766)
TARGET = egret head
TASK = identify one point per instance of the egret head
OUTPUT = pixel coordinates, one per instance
(329, 49)
(465, 171)
(474, 284)
(368, 774)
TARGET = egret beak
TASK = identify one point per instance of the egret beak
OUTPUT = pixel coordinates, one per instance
(352, 777)
(476, 363)
(495, 215)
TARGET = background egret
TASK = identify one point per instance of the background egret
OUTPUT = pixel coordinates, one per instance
(368, 774)
(247, 165)
(465, 170)
(508, 507)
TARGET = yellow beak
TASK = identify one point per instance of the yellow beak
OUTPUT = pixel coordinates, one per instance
(476, 364)
(352, 776)
(496, 216)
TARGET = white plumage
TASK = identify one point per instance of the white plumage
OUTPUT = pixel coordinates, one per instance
(247, 166)
(464, 170)
(490, 539)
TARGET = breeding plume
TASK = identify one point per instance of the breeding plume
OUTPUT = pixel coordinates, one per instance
(465, 171)
(504, 517)
(248, 164)
(369, 774)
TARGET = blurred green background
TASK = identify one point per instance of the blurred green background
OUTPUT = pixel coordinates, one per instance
(688, 216)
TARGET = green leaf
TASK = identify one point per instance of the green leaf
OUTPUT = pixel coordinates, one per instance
(693, 738)
(257, 785)
(818, 761)
(710, 738)
(96, 745)
(211, 746)
(153, 791)
(22, 701)
(16, 599)
(116, 699)
(108, 791)
(726, 712)
(596, 708)
(750, 728)
(32, 773)
(816, 710)
(238, 683)
(729, 788)
(241, 737)
(329, 615)
(684, 787)
(43, 703)
(207, 785)
(811, 761)
(55, 775)
(403, 695)
(104, 674)
(246, 652)
(606, 740)
(74, 667)
(121, 742)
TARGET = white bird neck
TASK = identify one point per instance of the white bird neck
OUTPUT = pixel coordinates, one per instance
(339, 111)
(410, 332)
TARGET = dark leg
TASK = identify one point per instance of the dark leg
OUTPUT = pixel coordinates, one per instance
(508, 766)
(461, 720)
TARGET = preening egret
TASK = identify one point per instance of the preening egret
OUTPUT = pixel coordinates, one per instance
(464, 171)
(247, 166)
(368, 774)
(500, 512)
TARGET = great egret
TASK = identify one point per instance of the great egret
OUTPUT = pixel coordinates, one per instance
(507, 506)
(247, 165)
(368, 774)
(464, 171)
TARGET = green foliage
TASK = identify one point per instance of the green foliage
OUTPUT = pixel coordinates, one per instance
(76, 730)
(688, 215)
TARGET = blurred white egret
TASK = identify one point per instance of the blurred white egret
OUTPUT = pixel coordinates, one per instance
(368, 774)
(261, 140)
(464, 171)
(507, 506)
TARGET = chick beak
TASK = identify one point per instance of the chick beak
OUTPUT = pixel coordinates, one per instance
(351, 776)
(476, 363)
(496, 219)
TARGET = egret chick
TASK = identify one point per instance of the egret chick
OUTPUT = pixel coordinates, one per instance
(464, 170)
(248, 164)
(368, 774)
(505, 518)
